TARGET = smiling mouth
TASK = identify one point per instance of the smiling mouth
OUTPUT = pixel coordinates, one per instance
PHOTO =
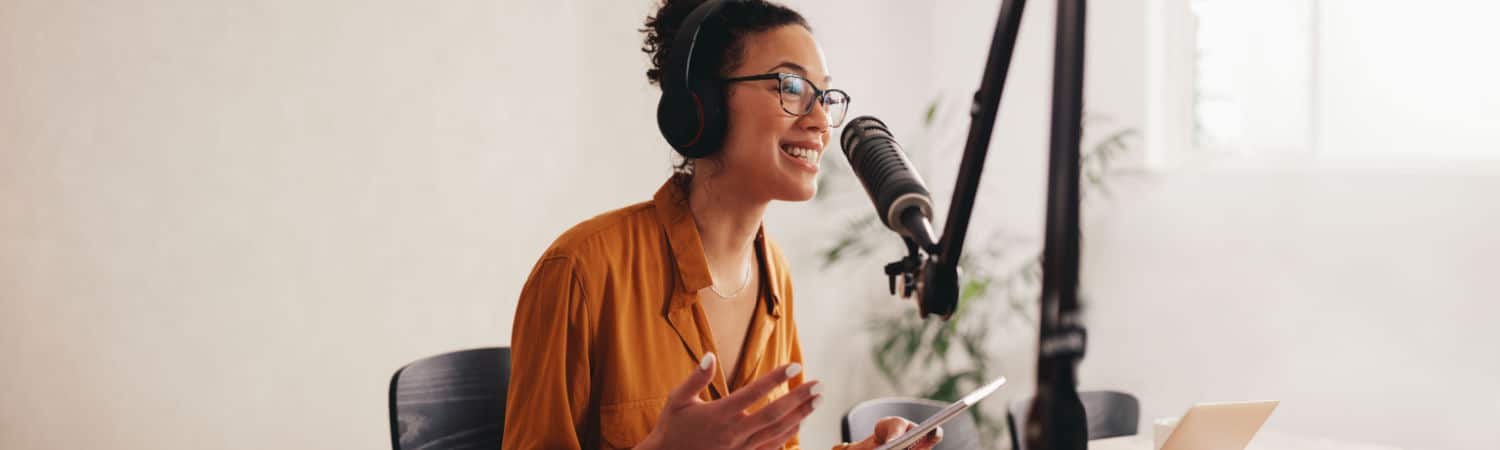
(811, 156)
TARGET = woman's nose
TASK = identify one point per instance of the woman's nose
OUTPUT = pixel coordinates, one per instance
(817, 119)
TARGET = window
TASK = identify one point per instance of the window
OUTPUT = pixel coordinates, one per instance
(1324, 80)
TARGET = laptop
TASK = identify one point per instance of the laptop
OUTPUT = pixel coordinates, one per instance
(1218, 426)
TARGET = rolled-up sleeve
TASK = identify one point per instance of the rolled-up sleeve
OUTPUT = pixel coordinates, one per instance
(550, 365)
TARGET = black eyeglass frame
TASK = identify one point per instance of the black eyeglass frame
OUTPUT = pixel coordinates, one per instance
(819, 94)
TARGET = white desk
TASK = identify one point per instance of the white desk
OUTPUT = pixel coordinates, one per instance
(1264, 440)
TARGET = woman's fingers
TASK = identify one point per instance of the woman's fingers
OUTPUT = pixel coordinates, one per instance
(749, 394)
(780, 440)
(687, 392)
(771, 425)
(930, 441)
(806, 394)
(782, 426)
(890, 428)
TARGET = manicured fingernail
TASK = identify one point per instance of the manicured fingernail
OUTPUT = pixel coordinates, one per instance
(793, 370)
(706, 361)
(816, 389)
(816, 401)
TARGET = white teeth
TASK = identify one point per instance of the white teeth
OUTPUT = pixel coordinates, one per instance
(805, 154)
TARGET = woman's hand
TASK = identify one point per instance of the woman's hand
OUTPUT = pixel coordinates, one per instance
(890, 428)
(690, 422)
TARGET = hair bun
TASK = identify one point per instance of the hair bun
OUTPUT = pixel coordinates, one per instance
(733, 22)
(661, 29)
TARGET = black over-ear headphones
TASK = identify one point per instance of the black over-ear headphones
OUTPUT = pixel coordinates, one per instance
(691, 113)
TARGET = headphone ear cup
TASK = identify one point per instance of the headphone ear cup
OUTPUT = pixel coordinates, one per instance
(677, 118)
(709, 96)
(693, 121)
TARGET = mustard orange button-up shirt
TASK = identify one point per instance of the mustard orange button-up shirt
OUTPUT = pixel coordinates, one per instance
(609, 322)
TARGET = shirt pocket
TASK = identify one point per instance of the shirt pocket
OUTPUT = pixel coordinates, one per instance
(625, 425)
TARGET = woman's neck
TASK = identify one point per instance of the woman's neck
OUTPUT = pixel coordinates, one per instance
(727, 223)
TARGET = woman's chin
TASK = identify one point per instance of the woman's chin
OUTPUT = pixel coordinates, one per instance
(801, 193)
(795, 186)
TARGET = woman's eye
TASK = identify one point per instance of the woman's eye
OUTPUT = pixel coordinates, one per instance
(792, 87)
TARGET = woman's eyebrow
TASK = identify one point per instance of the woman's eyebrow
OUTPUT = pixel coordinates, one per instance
(797, 68)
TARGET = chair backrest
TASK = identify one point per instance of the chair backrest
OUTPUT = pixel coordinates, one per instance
(1109, 413)
(859, 423)
(454, 400)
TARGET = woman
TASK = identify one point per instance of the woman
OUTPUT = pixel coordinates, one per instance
(669, 323)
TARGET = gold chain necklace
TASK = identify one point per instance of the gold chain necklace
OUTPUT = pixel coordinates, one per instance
(743, 285)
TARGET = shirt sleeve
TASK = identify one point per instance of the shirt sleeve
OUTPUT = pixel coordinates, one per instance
(550, 347)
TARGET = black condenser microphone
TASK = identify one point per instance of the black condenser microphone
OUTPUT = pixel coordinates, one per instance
(903, 204)
(900, 197)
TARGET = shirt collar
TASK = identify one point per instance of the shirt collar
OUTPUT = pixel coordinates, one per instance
(681, 228)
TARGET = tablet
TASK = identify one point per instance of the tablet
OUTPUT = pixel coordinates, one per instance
(946, 414)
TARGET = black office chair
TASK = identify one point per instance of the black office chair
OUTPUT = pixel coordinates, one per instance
(1109, 413)
(859, 423)
(451, 401)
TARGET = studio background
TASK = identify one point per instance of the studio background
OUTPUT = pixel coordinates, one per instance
(224, 224)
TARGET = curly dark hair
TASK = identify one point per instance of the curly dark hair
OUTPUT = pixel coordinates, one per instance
(726, 31)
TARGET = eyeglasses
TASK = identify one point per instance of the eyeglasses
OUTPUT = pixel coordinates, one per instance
(798, 95)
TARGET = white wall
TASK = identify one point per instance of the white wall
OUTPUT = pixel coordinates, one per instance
(1362, 301)
(225, 224)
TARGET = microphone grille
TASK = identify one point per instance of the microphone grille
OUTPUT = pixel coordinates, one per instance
(859, 129)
